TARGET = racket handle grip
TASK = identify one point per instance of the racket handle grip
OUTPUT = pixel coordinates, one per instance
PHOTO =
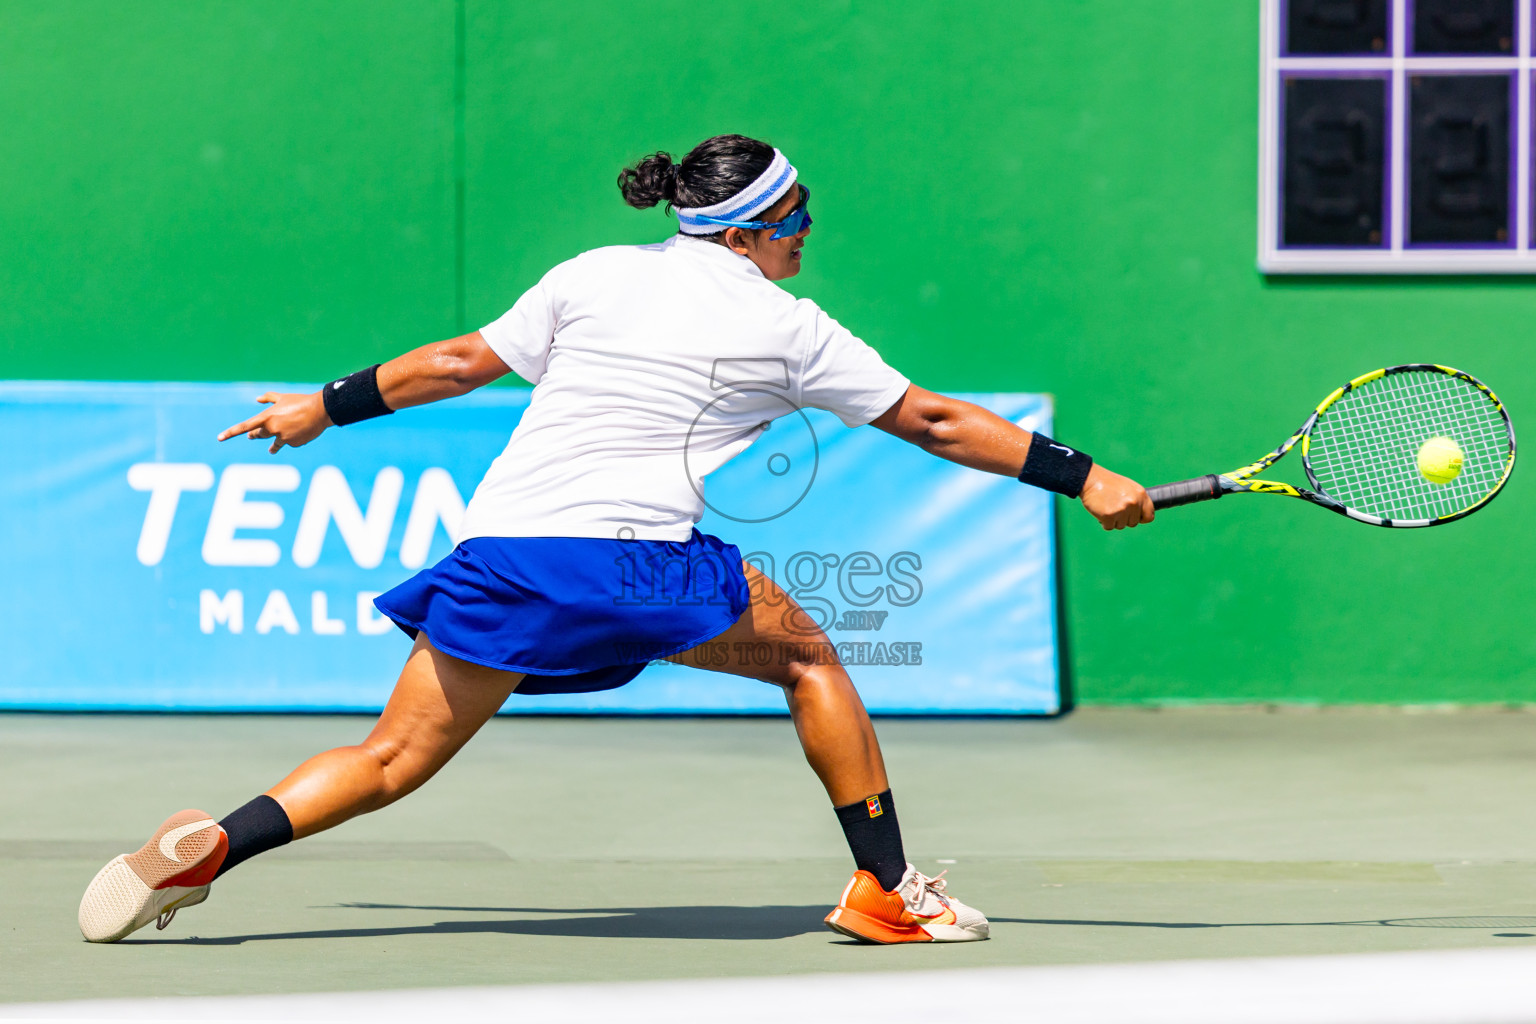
(1186, 492)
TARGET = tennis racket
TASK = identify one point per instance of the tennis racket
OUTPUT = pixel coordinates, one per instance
(1363, 448)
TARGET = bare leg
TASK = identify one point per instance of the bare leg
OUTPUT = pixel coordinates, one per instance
(834, 729)
(438, 704)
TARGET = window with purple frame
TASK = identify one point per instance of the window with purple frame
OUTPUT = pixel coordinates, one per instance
(1396, 136)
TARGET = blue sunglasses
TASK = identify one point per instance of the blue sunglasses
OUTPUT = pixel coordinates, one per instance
(795, 222)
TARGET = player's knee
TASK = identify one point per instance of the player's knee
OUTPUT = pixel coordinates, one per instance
(804, 678)
(390, 767)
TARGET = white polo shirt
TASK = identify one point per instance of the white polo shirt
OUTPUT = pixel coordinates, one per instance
(638, 352)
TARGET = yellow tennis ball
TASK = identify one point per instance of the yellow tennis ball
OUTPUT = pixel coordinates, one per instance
(1440, 460)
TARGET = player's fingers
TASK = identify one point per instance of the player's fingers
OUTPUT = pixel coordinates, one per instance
(276, 444)
(1148, 510)
(242, 427)
(268, 398)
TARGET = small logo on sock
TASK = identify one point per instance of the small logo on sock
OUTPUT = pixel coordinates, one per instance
(875, 810)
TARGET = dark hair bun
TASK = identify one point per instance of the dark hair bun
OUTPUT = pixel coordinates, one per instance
(650, 181)
(712, 172)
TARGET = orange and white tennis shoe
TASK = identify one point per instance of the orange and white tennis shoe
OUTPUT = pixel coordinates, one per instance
(171, 871)
(919, 910)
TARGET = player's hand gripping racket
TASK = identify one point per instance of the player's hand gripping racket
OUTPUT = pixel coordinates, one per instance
(1413, 445)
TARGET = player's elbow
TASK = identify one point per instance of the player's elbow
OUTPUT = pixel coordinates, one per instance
(941, 430)
(466, 366)
(931, 421)
(940, 422)
(462, 373)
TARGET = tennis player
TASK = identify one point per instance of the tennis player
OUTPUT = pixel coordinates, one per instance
(590, 505)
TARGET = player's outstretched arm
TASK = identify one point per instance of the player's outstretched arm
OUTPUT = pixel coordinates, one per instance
(974, 437)
(444, 369)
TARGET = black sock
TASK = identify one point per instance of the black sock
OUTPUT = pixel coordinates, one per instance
(259, 826)
(875, 838)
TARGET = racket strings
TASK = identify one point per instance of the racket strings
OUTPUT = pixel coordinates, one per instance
(1364, 448)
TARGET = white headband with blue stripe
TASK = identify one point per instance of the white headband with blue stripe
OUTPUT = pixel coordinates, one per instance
(769, 187)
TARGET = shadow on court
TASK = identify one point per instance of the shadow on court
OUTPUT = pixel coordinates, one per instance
(592, 923)
(748, 923)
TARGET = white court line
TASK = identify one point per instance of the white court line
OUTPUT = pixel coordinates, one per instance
(1486, 986)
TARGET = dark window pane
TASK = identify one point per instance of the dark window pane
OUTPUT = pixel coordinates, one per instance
(1463, 26)
(1458, 158)
(1336, 26)
(1334, 158)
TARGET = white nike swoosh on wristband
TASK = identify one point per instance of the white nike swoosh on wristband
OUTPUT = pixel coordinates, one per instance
(1063, 448)
(170, 839)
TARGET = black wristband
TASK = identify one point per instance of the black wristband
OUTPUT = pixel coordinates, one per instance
(1055, 467)
(355, 397)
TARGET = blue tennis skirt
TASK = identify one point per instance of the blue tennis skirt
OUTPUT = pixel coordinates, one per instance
(572, 614)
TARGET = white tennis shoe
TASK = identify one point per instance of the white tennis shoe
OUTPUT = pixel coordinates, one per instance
(171, 871)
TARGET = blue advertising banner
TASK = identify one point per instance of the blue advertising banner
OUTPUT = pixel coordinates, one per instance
(147, 566)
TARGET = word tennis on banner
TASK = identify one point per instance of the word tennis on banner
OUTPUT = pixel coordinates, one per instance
(328, 500)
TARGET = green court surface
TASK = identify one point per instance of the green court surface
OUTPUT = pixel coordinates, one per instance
(604, 850)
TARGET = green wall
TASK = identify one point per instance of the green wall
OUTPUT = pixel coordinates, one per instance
(1049, 195)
